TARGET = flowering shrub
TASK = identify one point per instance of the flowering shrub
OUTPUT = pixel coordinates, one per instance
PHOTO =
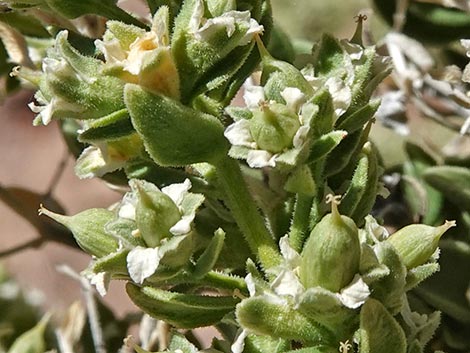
(255, 219)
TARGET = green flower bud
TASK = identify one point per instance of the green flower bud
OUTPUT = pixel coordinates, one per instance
(417, 242)
(331, 255)
(155, 213)
(273, 127)
(87, 228)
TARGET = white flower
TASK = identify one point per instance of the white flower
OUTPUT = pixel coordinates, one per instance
(239, 345)
(354, 294)
(127, 206)
(186, 202)
(177, 192)
(240, 136)
(96, 162)
(261, 159)
(253, 96)
(101, 282)
(340, 94)
(375, 230)
(142, 263)
(287, 282)
(203, 29)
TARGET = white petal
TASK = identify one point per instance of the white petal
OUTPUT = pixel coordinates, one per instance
(92, 163)
(101, 282)
(176, 192)
(355, 51)
(355, 294)
(139, 50)
(294, 98)
(287, 283)
(127, 207)
(260, 159)
(253, 96)
(372, 227)
(255, 28)
(301, 136)
(183, 226)
(292, 256)
(250, 284)
(466, 44)
(142, 263)
(196, 17)
(111, 50)
(160, 26)
(340, 93)
(213, 25)
(239, 345)
(239, 134)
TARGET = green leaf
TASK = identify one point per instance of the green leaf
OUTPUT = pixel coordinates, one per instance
(181, 310)
(265, 344)
(109, 127)
(447, 289)
(389, 290)
(329, 57)
(209, 257)
(453, 182)
(173, 134)
(356, 120)
(105, 8)
(324, 307)
(179, 342)
(379, 331)
(418, 274)
(325, 144)
(115, 264)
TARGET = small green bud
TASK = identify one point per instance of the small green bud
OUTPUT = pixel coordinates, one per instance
(155, 213)
(417, 242)
(331, 255)
(87, 228)
(273, 127)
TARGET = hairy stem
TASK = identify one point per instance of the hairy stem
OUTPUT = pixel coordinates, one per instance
(246, 213)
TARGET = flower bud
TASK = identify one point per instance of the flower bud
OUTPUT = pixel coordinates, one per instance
(87, 228)
(273, 127)
(331, 255)
(417, 242)
(155, 213)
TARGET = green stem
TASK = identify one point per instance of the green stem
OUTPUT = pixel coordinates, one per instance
(300, 223)
(246, 213)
